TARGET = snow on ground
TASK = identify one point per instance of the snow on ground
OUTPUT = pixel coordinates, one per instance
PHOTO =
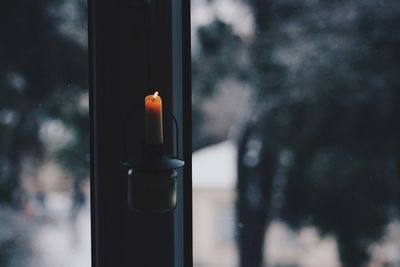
(60, 241)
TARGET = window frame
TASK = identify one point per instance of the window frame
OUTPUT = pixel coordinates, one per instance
(118, 45)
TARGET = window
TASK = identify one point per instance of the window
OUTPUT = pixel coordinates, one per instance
(294, 135)
(132, 47)
(295, 125)
(44, 135)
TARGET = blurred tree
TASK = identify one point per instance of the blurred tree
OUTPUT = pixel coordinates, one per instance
(329, 75)
(221, 56)
(43, 76)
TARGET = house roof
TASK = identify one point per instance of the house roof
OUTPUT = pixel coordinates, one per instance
(214, 167)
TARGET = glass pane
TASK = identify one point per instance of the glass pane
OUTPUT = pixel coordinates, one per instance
(296, 133)
(44, 134)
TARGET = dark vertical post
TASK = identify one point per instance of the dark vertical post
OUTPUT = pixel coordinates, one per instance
(187, 131)
(130, 56)
(178, 102)
(181, 74)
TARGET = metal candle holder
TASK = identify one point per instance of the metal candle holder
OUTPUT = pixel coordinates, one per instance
(152, 179)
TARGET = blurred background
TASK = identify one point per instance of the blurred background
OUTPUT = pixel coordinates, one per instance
(44, 134)
(296, 133)
(296, 143)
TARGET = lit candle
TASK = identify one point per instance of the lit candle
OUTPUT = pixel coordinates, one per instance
(153, 119)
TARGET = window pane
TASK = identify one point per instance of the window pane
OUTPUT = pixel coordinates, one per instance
(296, 133)
(44, 134)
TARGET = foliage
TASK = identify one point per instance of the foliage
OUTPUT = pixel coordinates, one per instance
(329, 75)
(42, 74)
(222, 55)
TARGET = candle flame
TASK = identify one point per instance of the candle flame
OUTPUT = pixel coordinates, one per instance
(155, 95)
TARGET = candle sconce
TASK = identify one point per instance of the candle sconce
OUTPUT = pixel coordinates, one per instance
(152, 179)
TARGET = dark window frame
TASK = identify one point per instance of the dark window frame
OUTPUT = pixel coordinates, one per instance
(121, 73)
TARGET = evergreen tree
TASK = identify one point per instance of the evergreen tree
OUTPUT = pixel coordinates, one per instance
(43, 74)
(328, 71)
